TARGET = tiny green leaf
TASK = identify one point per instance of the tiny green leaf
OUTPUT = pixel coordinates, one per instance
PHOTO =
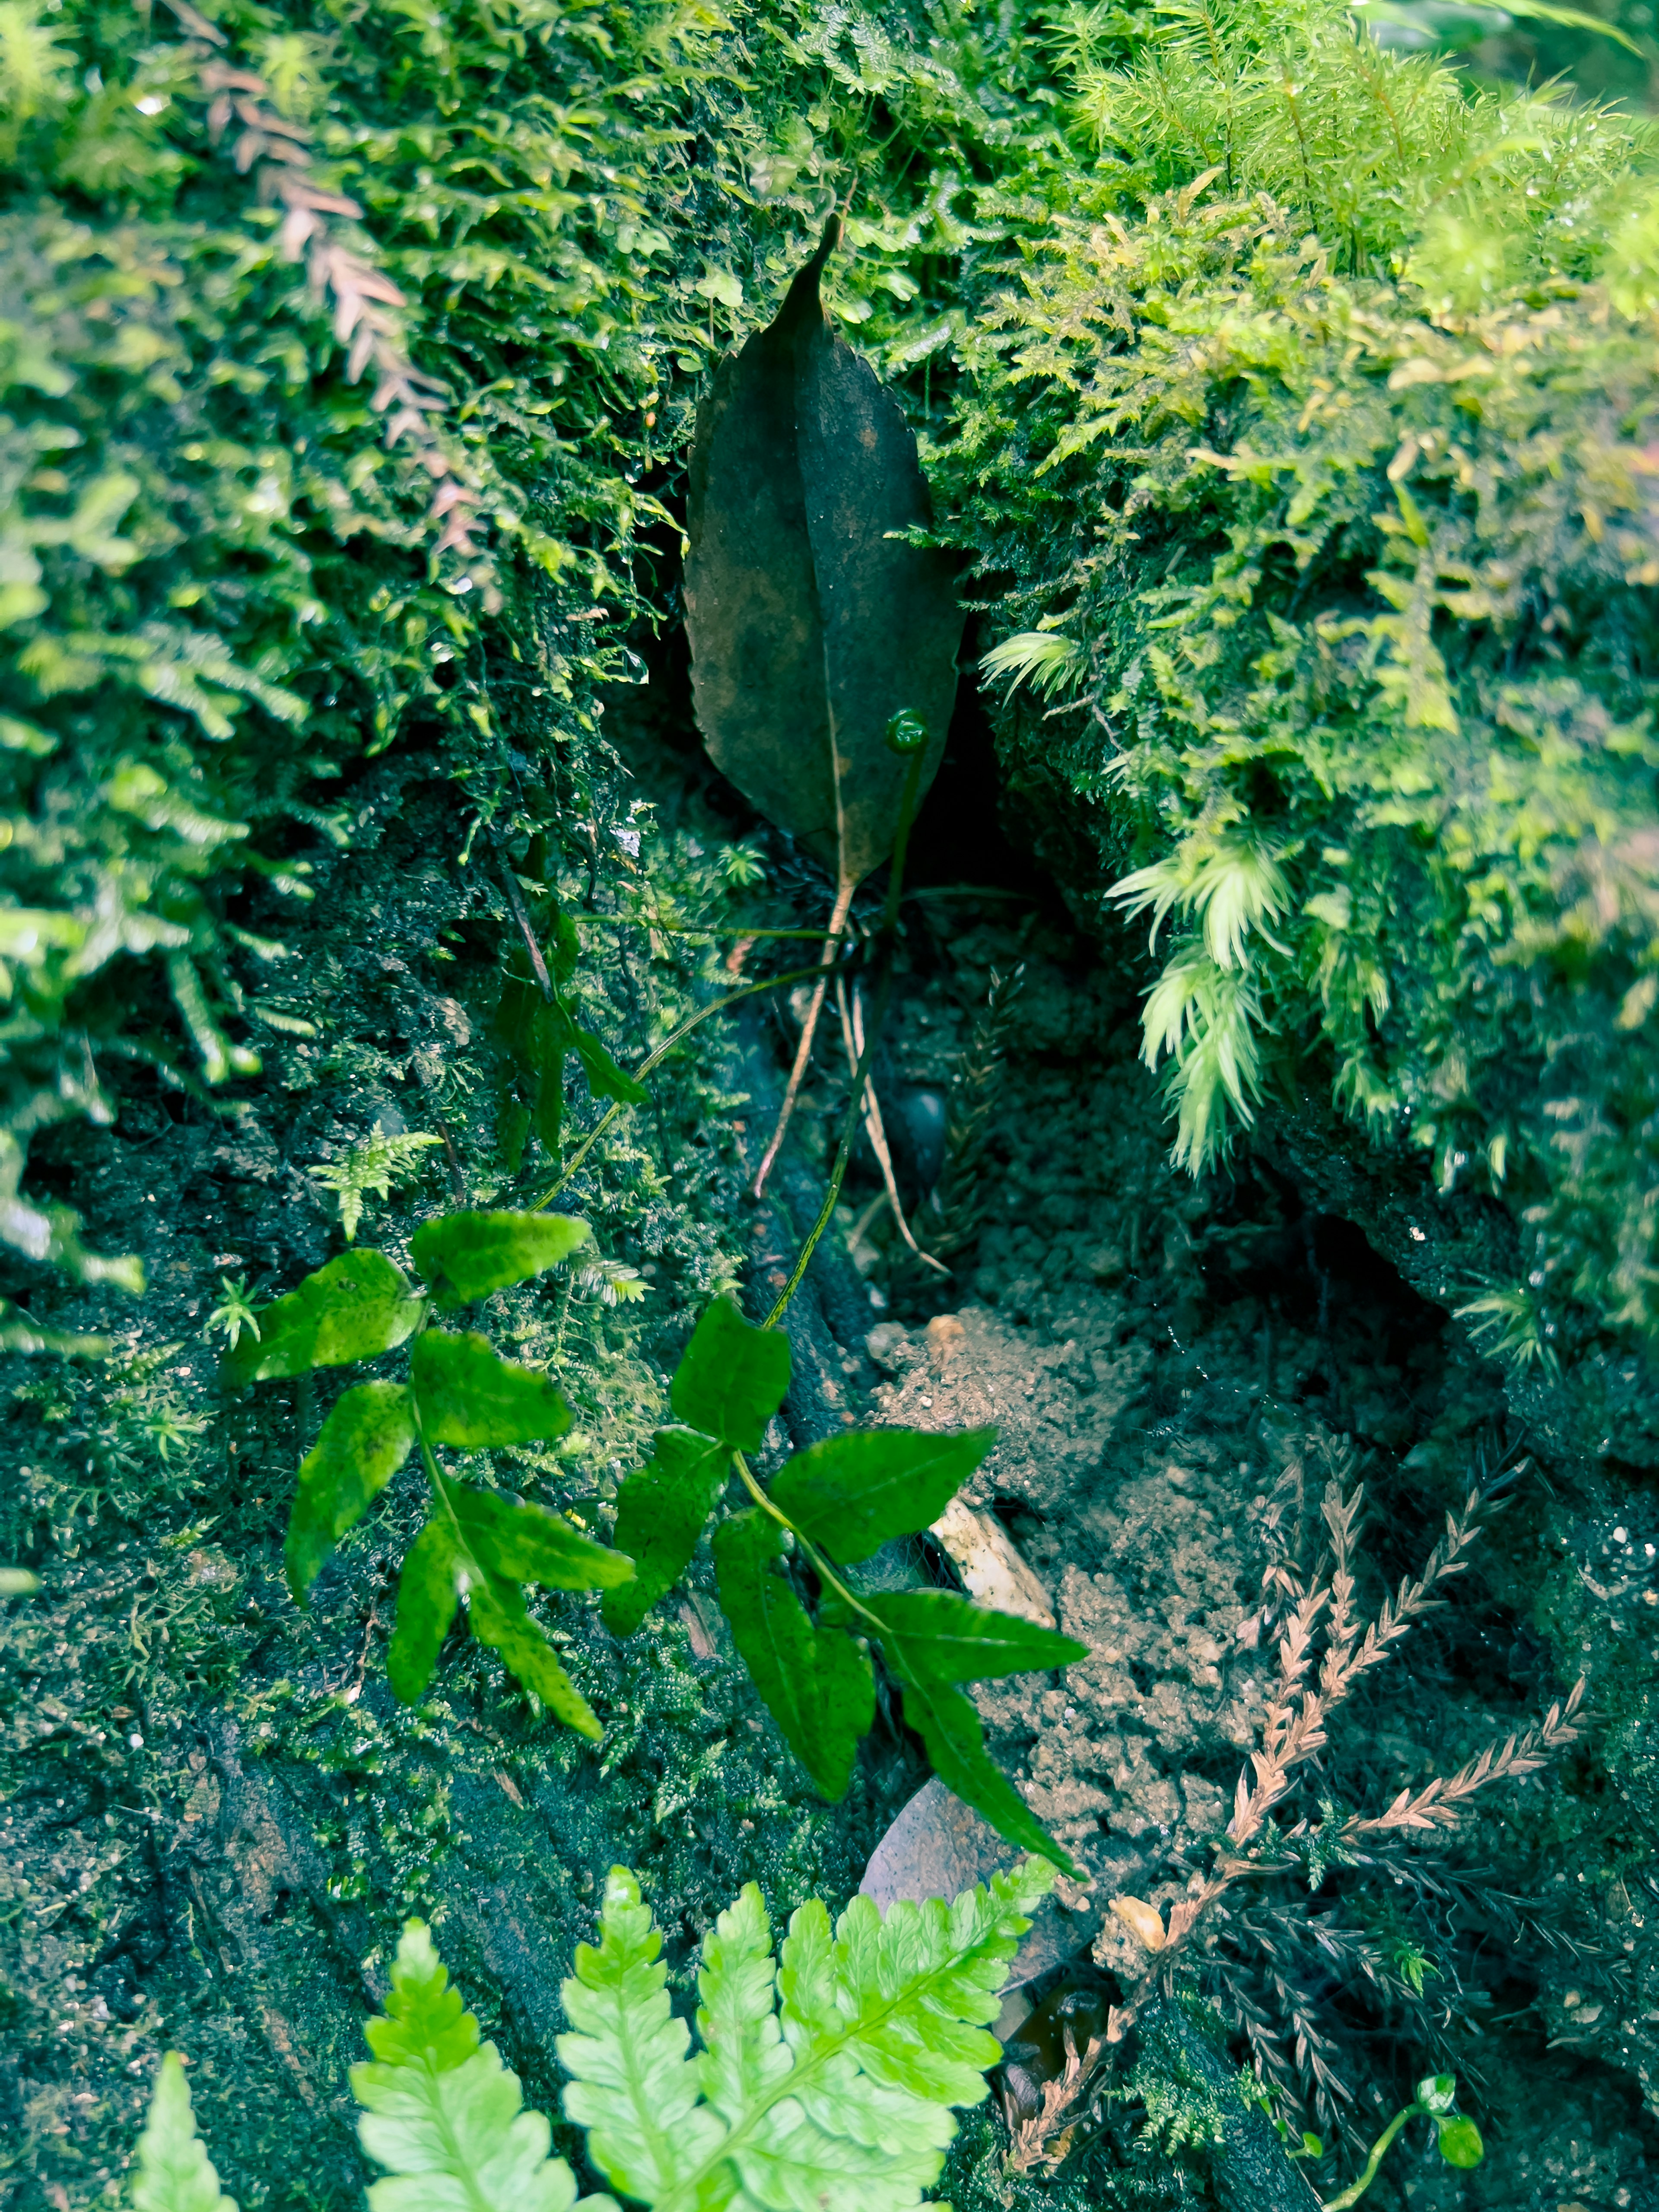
(732, 1377)
(365, 1440)
(949, 1727)
(949, 1638)
(852, 1494)
(1460, 2142)
(660, 1512)
(356, 1306)
(817, 1683)
(375, 1165)
(496, 1613)
(440, 2111)
(1438, 2093)
(528, 1544)
(605, 1078)
(472, 1398)
(466, 1256)
(426, 1597)
(175, 2174)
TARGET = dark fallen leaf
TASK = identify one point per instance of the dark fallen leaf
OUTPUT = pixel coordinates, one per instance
(811, 624)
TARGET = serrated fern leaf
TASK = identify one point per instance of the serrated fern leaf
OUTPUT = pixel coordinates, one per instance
(442, 2112)
(175, 2174)
(949, 1963)
(824, 2085)
(743, 2052)
(636, 2089)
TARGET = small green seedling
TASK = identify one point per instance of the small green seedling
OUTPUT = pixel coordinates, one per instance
(1458, 2137)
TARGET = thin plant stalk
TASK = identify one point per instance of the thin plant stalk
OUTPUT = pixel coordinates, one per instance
(809, 1030)
(655, 1060)
(1357, 2188)
(852, 1027)
(860, 1073)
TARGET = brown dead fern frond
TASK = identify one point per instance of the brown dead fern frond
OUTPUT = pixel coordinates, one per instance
(1323, 1653)
(1045, 2138)
(276, 153)
(1441, 1803)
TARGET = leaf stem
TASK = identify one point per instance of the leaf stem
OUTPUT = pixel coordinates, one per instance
(820, 1565)
(645, 1067)
(861, 1073)
(1356, 2190)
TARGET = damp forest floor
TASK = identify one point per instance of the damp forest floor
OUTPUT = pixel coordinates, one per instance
(215, 1816)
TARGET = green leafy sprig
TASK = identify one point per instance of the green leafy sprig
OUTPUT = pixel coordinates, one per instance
(477, 1545)
(827, 1508)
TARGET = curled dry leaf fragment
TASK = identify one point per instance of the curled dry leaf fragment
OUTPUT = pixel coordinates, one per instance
(1142, 1919)
(992, 1571)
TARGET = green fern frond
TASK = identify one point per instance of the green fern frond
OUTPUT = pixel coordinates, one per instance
(37, 65)
(823, 2083)
(611, 1283)
(1508, 1326)
(441, 2114)
(839, 2097)
(1043, 658)
(175, 2174)
(375, 1164)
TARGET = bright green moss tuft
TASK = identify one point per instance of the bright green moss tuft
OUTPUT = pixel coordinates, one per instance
(1356, 577)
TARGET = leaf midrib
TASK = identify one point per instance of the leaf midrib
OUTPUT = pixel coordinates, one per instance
(683, 2194)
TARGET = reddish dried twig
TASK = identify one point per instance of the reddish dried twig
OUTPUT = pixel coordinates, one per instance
(277, 153)
(1045, 2138)
(1440, 1803)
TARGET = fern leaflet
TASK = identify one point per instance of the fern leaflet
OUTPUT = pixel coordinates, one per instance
(175, 2174)
(823, 2082)
(441, 2114)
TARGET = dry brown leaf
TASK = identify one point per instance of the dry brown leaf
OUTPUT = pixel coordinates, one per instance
(1141, 1920)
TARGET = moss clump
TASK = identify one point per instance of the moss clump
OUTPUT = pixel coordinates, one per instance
(1326, 527)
